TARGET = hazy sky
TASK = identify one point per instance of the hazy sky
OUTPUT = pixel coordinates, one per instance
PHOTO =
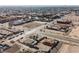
(39, 2)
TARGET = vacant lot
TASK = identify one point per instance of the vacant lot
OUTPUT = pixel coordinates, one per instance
(32, 25)
(67, 48)
(75, 32)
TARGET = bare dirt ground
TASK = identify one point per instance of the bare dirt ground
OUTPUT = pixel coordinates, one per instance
(72, 17)
(32, 25)
(75, 32)
(67, 48)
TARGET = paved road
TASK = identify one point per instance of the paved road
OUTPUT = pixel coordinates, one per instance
(27, 33)
(62, 38)
(58, 37)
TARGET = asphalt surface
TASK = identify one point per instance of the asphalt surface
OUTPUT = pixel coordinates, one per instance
(62, 38)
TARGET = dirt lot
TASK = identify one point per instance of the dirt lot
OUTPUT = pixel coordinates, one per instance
(67, 48)
(29, 26)
(72, 17)
(75, 32)
(32, 25)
